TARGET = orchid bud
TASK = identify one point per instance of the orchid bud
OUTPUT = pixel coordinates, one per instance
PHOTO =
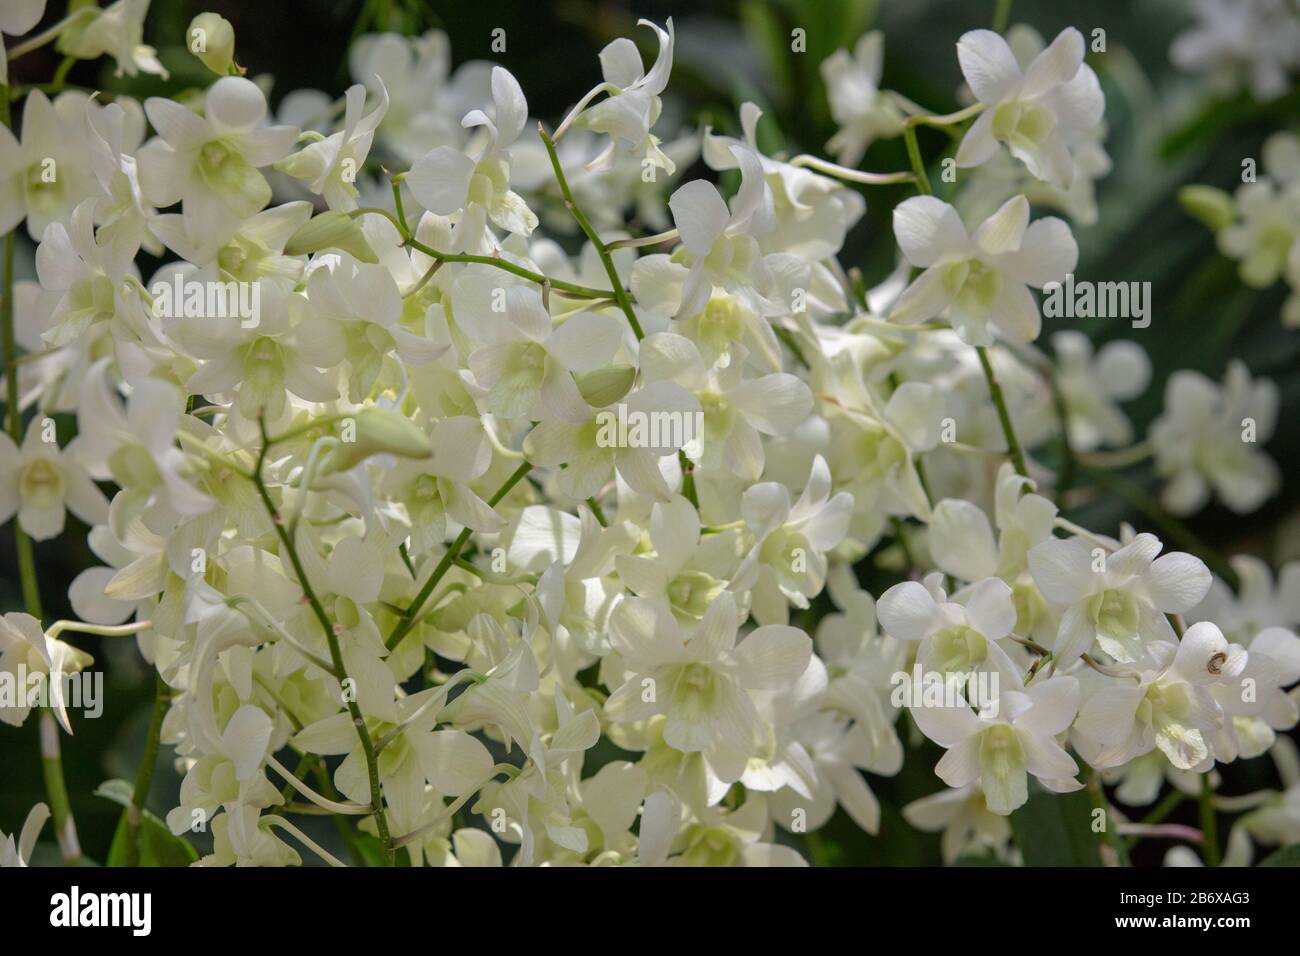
(211, 38)
(380, 431)
(331, 230)
(1211, 206)
(604, 386)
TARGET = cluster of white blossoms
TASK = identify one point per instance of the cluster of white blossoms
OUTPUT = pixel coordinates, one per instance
(1253, 44)
(1259, 224)
(478, 541)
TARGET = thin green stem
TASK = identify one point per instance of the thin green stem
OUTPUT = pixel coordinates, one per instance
(901, 534)
(1066, 475)
(914, 157)
(1119, 458)
(377, 211)
(445, 563)
(1110, 831)
(1209, 823)
(98, 630)
(402, 224)
(639, 242)
(620, 293)
(336, 654)
(946, 119)
(582, 291)
(1004, 416)
(408, 238)
(144, 776)
(848, 174)
(56, 790)
(1172, 800)
(61, 74)
(594, 505)
(50, 35)
(1001, 16)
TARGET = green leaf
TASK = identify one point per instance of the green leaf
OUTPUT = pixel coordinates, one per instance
(371, 849)
(1055, 829)
(1287, 856)
(158, 845)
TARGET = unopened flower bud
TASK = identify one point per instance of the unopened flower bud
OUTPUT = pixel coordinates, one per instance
(378, 431)
(1211, 206)
(211, 38)
(331, 230)
(602, 387)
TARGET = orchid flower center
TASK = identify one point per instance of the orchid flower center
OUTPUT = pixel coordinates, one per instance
(973, 285)
(1022, 123)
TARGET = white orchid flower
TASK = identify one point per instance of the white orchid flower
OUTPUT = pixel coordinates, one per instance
(1169, 705)
(1119, 600)
(701, 681)
(439, 488)
(732, 838)
(43, 174)
(861, 110)
(1000, 752)
(783, 764)
(963, 544)
(879, 445)
(982, 280)
(839, 750)
(25, 647)
(861, 664)
(451, 761)
(1261, 600)
(719, 244)
(38, 482)
(963, 819)
(258, 365)
(1206, 441)
(632, 107)
(689, 570)
(91, 275)
(231, 775)
(117, 30)
(787, 562)
(331, 166)
(1251, 43)
(426, 102)
(1267, 225)
(476, 185)
(813, 212)
(135, 446)
(526, 362)
(364, 301)
(238, 840)
(210, 163)
(737, 411)
(1255, 702)
(536, 802)
(245, 251)
(114, 133)
(1093, 385)
(955, 637)
(589, 458)
(1029, 112)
